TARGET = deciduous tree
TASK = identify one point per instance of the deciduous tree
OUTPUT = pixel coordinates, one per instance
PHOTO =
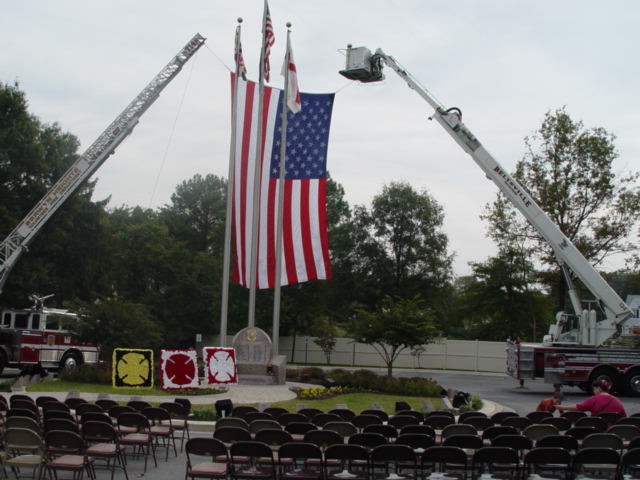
(400, 243)
(393, 326)
(569, 170)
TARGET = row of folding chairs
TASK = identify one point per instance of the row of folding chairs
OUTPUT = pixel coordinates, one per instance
(59, 451)
(250, 413)
(96, 437)
(142, 431)
(173, 414)
(565, 421)
(210, 458)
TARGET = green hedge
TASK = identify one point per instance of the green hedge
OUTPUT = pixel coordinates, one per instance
(367, 380)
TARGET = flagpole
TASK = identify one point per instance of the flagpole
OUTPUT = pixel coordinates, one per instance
(256, 180)
(283, 160)
(224, 306)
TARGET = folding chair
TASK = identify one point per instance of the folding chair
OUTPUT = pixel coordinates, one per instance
(499, 417)
(206, 458)
(344, 428)
(346, 461)
(275, 412)
(103, 443)
(241, 410)
(345, 414)
(300, 461)
(387, 431)
(135, 431)
(630, 464)
(67, 452)
(394, 461)
(402, 420)
(499, 462)
(252, 460)
(179, 419)
(439, 460)
(161, 429)
(547, 462)
(594, 462)
(320, 419)
(537, 417)
(24, 449)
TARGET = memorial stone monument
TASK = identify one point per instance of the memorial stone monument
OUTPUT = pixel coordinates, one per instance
(255, 359)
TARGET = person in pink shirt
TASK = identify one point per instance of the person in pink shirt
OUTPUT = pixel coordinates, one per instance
(601, 401)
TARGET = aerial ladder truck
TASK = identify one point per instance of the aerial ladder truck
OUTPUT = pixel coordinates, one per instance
(43, 337)
(598, 342)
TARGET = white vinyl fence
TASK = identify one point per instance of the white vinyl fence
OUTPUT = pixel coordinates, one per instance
(470, 355)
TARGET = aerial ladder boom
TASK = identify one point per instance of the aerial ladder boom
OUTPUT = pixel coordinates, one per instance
(366, 67)
(22, 235)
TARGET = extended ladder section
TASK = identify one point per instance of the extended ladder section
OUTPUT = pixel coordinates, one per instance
(18, 240)
(366, 67)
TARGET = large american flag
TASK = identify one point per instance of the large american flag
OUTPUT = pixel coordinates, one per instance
(305, 243)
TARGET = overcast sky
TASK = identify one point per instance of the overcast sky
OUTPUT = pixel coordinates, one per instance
(503, 63)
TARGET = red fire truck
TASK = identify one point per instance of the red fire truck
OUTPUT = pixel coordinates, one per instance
(40, 338)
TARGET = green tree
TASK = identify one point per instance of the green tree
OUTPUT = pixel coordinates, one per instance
(197, 213)
(118, 323)
(33, 156)
(395, 325)
(326, 334)
(568, 169)
(151, 268)
(498, 300)
(401, 244)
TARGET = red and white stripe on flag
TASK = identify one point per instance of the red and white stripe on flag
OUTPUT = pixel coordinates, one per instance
(179, 369)
(305, 250)
(221, 365)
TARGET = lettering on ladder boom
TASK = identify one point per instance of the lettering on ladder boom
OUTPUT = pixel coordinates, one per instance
(39, 213)
(513, 186)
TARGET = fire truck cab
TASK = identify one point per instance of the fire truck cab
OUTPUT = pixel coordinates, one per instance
(42, 337)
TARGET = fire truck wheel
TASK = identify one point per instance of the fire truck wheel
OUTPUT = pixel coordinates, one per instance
(609, 375)
(632, 382)
(70, 360)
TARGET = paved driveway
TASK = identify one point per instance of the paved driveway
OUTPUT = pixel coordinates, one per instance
(507, 391)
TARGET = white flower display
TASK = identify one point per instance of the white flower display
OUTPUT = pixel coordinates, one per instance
(221, 363)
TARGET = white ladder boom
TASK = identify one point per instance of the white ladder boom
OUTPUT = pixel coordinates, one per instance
(18, 240)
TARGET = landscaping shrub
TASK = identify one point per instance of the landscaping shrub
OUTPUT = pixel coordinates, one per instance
(204, 414)
(474, 404)
(316, 393)
(100, 373)
(6, 385)
(369, 381)
(313, 375)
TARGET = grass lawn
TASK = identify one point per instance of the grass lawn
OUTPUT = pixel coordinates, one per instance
(354, 401)
(59, 386)
(361, 401)
(64, 386)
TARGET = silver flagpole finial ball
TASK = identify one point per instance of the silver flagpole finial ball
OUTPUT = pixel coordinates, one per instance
(239, 19)
(288, 24)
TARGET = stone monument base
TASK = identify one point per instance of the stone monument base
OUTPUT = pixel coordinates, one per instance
(273, 373)
(255, 363)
